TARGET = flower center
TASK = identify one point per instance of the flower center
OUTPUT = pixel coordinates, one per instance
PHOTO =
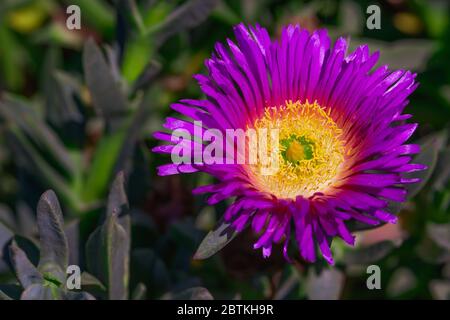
(307, 156)
(296, 149)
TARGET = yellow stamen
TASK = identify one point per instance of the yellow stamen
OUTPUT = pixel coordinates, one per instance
(310, 150)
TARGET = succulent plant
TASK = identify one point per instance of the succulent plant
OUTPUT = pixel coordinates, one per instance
(77, 109)
(107, 252)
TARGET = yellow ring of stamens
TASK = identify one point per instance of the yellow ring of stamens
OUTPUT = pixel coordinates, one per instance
(310, 150)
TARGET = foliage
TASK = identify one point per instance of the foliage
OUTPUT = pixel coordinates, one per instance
(77, 110)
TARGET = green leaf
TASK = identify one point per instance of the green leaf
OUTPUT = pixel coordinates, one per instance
(430, 148)
(103, 163)
(54, 248)
(24, 117)
(59, 89)
(188, 15)
(91, 283)
(105, 90)
(327, 285)
(30, 159)
(118, 202)
(107, 252)
(61, 106)
(215, 240)
(13, 58)
(25, 271)
(136, 58)
(369, 254)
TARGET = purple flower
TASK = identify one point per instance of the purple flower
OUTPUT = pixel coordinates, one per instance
(341, 136)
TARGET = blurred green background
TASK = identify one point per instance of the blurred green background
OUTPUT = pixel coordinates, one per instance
(79, 106)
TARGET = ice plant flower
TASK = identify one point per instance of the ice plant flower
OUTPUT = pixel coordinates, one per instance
(342, 136)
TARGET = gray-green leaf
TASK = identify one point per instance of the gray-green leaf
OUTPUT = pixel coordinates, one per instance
(430, 148)
(25, 271)
(118, 202)
(106, 93)
(108, 257)
(215, 240)
(54, 247)
(189, 15)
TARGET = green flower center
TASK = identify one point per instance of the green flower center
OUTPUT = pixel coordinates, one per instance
(296, 149)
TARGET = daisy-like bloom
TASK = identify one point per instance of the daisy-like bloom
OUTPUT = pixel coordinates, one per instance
(342, 134)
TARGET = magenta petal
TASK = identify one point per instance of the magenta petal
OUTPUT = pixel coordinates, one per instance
(306, 244)
(385, 216)
(323, 244)
(259, 220)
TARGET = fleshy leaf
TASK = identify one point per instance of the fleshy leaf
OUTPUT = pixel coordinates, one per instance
(215, 240)
(25, 271)
(118, 202)
(54, 249)
(189, 15)
(430, 148)
(105, 91)
(91, 283)
(108, 257)
(35, 130)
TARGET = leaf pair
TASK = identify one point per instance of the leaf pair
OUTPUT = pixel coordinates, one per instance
(48, 279)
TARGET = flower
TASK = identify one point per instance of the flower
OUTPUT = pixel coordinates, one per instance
(342, 134)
